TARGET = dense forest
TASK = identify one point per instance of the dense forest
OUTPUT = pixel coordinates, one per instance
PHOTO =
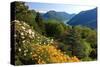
(40, 41)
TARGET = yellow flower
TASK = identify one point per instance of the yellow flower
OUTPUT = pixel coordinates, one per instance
(34, 55)
(49, 54)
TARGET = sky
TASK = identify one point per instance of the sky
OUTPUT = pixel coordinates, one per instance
(44, 7)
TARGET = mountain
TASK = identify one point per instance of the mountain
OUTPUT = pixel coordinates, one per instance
(61, 16)
(85, 18)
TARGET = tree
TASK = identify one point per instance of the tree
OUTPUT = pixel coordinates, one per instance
(24, 14)
(90, 36)
(54, 29)
(78, 46)
(40, 23)
(82, 49)
(21, 11)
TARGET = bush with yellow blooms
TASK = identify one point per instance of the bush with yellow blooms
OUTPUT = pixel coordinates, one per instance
(34, 48)
(50, 54)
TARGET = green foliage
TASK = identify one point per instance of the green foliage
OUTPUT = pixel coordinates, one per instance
(20, 7)
(86, 59)
(90, 36)
(93, 54)
(74, 41)
(40, 23)
(76, 46)
(28, 16)
(17, 61)
(23, 35)
(82, 49)
(77, 41)
(54, 29)
(25, 38)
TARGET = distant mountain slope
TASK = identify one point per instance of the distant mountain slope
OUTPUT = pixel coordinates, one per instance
(85, 18)
(61, 16)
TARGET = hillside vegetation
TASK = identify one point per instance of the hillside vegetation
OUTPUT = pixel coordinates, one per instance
(39, 41)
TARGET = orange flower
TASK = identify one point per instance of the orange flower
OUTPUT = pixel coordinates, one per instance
(49, 54)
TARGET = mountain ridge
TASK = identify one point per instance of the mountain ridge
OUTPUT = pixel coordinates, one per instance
(85, 18)
(61, 16)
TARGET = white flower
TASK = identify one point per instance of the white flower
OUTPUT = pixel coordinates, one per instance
(33, 34)
(22, 33)
(15, 35)
(24, 54)
(23, 41)
(51, 39)
(19, 49)
(23, 28)
(29, 31)
(31, 53)
(24, 23)
(16, 21)
(44, 43)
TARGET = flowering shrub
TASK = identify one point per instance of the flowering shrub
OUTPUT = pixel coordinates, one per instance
(25, 37)
(33, 48)
(49, 54)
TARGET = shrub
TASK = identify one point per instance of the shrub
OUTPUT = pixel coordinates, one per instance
(93, 54)
(49, 54)
(86, 59)
(54, 29)
(25, 37)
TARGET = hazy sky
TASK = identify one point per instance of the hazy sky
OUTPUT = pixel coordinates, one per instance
(44, 7)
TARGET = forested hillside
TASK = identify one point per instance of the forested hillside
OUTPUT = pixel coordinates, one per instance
(60, 16)
(42, 42)
(85, 18)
